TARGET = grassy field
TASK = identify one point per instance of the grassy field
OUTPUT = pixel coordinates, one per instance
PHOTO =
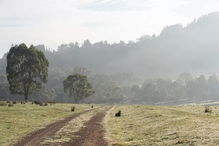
(21, 119)
(138, 126)
(161, 125)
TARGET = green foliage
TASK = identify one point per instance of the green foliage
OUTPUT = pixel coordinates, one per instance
(78, 87)
(27, 69)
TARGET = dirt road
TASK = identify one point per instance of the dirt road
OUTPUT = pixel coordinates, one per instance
(90, 135)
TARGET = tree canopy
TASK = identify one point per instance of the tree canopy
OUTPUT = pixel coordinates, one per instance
(78, 87)
(27, 69)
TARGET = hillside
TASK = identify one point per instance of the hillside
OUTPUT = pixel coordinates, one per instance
(178, 49)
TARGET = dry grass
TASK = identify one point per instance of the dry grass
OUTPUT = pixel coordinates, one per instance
(157, 125)
(21, 119)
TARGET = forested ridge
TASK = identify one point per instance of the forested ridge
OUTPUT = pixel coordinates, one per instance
(147, 70)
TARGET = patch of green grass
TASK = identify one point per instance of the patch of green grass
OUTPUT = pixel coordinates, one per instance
(21, 119)
(162, 125)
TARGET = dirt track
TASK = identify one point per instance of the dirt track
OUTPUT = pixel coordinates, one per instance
(91, 135)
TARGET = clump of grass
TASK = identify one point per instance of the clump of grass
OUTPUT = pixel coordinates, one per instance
(208, 109)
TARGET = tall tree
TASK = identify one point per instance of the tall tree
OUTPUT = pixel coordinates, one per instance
(27, 69)
(78, 87)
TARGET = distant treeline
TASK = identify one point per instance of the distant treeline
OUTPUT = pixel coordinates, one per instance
(115, 68)
(110, 89)
(186, 89)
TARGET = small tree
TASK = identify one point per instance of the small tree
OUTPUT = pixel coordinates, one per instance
(78, 87)
(27, 69)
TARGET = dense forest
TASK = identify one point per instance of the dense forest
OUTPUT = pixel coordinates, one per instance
(150, 70)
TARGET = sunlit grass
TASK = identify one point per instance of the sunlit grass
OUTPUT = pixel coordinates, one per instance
(157, 125)
(21, 119)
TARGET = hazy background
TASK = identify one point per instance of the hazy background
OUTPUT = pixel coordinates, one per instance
(133, 51)
(52, 22)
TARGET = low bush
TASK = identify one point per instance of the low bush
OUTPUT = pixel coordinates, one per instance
(208, 109)
(10, 104)
(38, 102)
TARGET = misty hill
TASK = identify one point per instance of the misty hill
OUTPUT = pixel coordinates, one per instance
(193, 48)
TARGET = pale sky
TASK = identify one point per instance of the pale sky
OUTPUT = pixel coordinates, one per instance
(52, 22)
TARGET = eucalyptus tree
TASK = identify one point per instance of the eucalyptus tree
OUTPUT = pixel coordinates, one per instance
(27, 69)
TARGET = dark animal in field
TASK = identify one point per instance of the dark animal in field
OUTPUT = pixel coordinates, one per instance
(118, 114)
(72, 109)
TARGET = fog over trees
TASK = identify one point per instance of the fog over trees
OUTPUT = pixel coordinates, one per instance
(177, 66)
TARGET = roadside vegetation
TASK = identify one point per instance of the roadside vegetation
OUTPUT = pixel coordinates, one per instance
(21, 119)
(162, 125)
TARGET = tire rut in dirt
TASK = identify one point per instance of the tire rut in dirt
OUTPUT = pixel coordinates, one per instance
(34, 138)
(92, 134)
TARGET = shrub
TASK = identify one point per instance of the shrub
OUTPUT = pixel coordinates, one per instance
(14, 102)
(38, 102)
(92, 106)
(118, 114)
(10, 104)
(208, 109)
(72, 109)
(45, 104)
